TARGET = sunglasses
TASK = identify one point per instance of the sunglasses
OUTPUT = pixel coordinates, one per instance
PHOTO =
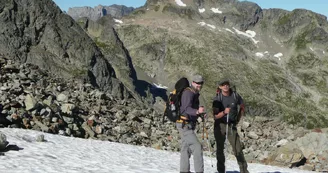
(224, 84)
(199, 83)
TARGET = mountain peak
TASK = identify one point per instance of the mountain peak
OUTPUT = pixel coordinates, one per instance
(241, 15)
(189, 3)
(116, 11)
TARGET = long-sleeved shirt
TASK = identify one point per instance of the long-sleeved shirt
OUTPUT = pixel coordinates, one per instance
(189, 104)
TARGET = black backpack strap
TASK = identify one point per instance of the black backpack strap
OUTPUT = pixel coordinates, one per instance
(234, 93)
(235, 96)
(218, 95)
(164, 114)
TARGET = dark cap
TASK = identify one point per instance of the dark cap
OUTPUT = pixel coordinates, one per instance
(197, 79)
(224, 81)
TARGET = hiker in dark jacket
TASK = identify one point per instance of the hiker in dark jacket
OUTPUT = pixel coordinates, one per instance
(190, 111)
(226, 103)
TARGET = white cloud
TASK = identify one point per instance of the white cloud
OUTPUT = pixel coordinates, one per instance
(216, 10)
(118, 21)
(201, 10)
(180, 3)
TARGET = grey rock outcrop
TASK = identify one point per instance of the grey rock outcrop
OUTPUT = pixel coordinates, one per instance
(3, 141)
(38, 32)
(115, 11)
(310, 149)
(106, 38)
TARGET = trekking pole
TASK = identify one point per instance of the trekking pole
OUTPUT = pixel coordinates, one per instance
(208, 144)
(205, 119)
(226, 144)
(203, 136)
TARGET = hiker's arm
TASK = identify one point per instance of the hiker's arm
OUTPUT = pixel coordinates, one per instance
(186, 104)
(241, 108)
(218, 110)
(219, 115)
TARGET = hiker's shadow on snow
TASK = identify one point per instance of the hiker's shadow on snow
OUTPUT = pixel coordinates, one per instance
(10, 148)
(259, 172)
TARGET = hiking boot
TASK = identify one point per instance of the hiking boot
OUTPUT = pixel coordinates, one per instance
(244, 171)
(243, 167)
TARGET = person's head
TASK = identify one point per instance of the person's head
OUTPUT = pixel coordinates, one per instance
(197, 82)
(224, 85)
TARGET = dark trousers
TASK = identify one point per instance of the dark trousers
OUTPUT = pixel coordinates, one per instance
(234, 140)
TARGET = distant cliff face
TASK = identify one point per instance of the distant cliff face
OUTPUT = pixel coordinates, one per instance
(115, 11)
(37, 32)
(109, 43)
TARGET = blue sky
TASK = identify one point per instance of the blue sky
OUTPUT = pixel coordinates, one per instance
(319, 6)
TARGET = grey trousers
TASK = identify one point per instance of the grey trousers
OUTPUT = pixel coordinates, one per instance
(190, 145)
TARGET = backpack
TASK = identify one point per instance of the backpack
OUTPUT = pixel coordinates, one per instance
(172, 108)
(233, 115)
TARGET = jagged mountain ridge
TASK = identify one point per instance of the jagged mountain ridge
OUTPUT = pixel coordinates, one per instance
(236, 14)
(271, 55)
(38, 32)
(115, 11)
